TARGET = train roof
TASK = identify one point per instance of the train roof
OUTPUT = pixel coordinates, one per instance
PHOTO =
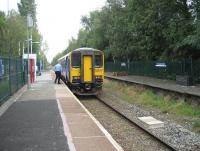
(79, 49)
(85, 49)
(63, 57)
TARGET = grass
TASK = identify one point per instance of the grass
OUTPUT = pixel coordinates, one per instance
(146, 97)
(196, 125)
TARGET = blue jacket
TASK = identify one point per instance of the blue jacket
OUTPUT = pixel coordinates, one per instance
(58, 67)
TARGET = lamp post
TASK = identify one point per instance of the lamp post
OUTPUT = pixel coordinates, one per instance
(19, 48)
(44, 48)
(8, 3)
(29, 27)
(44, 54)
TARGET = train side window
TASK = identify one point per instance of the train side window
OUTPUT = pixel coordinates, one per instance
(98, 61)
(76, 60)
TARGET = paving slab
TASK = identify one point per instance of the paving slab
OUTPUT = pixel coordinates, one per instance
(83, 126)
(63, 90)
(87, 130)
(72, 109)
(62, 95)
(69, 102)
(98, 144)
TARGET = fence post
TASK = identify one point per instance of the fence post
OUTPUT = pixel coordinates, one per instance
(9, 62)
(128, 66)
(22, 78)
(17, 73)
(192, 74)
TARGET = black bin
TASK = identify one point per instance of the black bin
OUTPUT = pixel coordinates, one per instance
(185, 80)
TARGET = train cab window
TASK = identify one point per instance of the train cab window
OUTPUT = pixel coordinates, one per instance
(76, 60)
(98, 61)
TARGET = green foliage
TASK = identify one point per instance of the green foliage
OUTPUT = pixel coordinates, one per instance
(27, 7)
(145, 97)
(196, 125)
(141, 30)
(73, 44)
(13, 30)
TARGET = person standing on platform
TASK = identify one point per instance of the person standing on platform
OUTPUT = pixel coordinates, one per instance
(58, 71)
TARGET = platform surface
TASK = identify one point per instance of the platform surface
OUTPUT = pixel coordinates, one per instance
(48, 117)
(33, 121)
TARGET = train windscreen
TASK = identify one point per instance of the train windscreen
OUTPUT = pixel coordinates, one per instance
(98, 61)
(76, 60)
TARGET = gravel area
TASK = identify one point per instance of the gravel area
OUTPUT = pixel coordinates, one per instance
(129, 136)
(172, 133)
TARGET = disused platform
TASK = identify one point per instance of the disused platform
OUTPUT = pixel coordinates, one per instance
(49, 117)
(167, 85)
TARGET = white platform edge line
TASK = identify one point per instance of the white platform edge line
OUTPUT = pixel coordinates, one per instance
(110, 138)
(66, 128)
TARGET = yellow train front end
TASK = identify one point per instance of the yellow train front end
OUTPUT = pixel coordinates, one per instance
(86, 71)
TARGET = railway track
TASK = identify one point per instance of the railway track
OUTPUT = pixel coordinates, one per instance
(128, 134)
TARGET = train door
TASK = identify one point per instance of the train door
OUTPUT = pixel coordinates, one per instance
(67, 69)
(87, 68)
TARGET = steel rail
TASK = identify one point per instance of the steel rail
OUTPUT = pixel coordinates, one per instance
(135, 123)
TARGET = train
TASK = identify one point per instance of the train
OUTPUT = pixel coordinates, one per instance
(83, 69)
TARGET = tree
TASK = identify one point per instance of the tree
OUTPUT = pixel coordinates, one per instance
(27, 7)
(16, 23)
(141, 30)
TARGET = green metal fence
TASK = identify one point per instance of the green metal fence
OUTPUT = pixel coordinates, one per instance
(158, 69)
(13, 73)
(196, 70)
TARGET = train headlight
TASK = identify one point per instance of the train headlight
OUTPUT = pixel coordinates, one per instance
(98, 77)
(76, 77)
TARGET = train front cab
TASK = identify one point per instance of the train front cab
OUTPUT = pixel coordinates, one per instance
(87, 72)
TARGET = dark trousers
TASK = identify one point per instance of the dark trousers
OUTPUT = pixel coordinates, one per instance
(58, 76)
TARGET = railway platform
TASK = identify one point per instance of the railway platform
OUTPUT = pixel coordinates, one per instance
(48, 117)
(168, 85)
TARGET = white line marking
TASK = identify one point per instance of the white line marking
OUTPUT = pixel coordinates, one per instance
(110, 138)
(66, 128)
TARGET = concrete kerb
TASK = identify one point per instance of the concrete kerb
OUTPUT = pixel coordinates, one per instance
(4, 107)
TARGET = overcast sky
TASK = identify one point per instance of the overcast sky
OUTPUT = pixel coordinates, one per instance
(58, 20)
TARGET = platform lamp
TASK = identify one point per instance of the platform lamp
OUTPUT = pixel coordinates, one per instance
(29, 28)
